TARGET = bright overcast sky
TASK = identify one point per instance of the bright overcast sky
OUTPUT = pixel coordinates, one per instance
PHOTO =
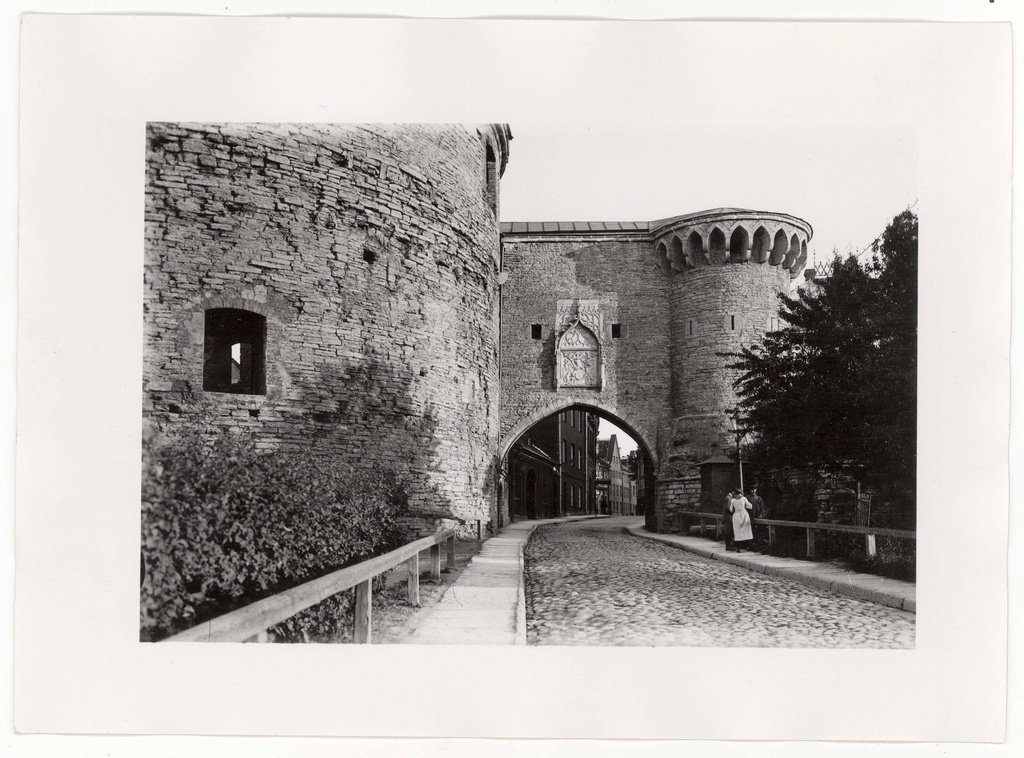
(847, 184)
(626, 443)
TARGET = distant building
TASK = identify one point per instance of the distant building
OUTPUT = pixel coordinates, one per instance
(554, 468)
(616, 486)
(534, 485)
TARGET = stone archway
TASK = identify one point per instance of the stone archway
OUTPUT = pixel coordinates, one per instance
(648, 471)
(612, 414)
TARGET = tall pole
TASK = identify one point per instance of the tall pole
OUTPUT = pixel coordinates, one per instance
(733, 416)
(739, 457)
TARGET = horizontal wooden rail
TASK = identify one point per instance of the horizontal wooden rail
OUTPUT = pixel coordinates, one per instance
(876, 530)
(249, 624)
(869, 532)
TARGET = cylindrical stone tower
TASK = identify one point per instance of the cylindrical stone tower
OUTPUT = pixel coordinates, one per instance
(335, 289)
(727, 269)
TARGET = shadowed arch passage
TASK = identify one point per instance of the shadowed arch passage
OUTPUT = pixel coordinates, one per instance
(538, 415)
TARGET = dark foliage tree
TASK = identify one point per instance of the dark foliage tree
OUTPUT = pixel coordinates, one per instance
(836, 387)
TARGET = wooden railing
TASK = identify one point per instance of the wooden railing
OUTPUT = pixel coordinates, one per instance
(250, 624)
(869, 532)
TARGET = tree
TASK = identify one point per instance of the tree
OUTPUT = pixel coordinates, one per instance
(836, 387)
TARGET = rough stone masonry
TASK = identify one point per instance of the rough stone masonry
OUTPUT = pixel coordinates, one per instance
(348, 289)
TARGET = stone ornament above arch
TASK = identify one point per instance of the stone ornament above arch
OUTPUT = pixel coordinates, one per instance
(578, 326)
(578, 360)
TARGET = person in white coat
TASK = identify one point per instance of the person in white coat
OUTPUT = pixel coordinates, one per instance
(740, 508)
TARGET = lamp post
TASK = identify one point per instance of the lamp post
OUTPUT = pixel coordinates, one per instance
(740, 434)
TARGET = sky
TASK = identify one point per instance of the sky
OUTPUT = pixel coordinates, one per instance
(848, 183)
(626, 443)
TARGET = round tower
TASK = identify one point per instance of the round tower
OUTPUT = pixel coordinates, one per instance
(332, 288)
(727, 268)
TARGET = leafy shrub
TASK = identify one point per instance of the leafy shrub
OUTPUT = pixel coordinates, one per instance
(224, 524)
(789, 499)
(895, 558)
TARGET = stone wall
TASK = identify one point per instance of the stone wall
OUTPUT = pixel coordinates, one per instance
(679, 309)
(673, 495)
(618, 273)
(373, 254)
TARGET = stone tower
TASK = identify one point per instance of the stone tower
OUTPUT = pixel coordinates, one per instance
(727, 268)
(333, 288)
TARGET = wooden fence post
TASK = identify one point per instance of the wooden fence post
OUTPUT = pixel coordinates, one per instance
(869, 545)
(771, 534)
(435, 563)
(412, 567)
(364, 609)
(718, 528)
(810, 542)
(450, 566)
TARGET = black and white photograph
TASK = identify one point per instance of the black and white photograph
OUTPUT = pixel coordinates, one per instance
(358, 375)
(513, 385)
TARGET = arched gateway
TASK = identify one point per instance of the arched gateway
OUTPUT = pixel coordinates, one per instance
(631, 320)
(532, 448)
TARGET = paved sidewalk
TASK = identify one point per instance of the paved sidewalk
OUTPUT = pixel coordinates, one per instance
(877, 589)
(486, 605)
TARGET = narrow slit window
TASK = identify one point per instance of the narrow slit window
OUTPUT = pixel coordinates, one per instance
(491, 179)
(234, 352)
(732, 322)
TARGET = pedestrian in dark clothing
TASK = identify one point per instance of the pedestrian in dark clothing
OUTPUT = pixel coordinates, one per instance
(727, 522)
(758, 503)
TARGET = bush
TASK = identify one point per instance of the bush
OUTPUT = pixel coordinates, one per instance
(224, 525)
(789, 499)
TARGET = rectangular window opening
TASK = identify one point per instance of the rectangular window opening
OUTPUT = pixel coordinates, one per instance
(616, 331)
(535, 331)
(233, 352)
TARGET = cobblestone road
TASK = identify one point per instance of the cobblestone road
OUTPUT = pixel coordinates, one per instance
(589, 583)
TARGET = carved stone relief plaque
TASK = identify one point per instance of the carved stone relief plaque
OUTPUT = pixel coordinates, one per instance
(578, 348)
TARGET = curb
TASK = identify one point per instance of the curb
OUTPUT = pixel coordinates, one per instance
(836, 580)
(521, 590)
